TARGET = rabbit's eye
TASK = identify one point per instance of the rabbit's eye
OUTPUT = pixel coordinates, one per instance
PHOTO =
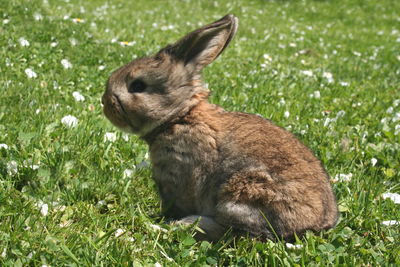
(137, 86)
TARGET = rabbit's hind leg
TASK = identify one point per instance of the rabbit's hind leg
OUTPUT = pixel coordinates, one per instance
(245, 220)
(211, 230)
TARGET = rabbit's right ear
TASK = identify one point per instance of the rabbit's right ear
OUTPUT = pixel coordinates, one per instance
(202, 46)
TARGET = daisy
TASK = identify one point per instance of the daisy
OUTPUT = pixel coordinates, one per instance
(341, 177)
(111, 137)
(3, 146)
(392, 196)
(12, 167)
(328, 76)
(23, 41)
(30, 73)
(78, 97)
(391, 222)
(128, 173)
(69, 121)
(292, 246)
(308, 73)
(66, 64)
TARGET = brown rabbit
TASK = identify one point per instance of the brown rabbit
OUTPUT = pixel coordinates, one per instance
(224, 170)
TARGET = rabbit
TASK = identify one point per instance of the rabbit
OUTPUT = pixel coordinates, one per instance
(222, 170)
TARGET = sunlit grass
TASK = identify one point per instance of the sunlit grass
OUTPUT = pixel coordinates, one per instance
(75, 191)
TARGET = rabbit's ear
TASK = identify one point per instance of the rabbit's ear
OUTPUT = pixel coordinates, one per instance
(202, 46)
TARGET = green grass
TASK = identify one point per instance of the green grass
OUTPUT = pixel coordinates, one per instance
(80, 176)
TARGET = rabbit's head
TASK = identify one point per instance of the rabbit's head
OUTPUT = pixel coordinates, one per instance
(150, 91)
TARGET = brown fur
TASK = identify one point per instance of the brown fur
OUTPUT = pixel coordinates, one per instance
(217, 168)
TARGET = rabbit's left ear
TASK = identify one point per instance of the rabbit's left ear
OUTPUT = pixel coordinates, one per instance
(202, 46)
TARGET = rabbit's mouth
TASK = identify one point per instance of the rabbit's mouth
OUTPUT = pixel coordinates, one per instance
(115, 111)
(120, 105)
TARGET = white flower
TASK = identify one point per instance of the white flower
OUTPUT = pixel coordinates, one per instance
(30, 73)
(374, 161)
(73, 41)
(307, 73)
(69, 121)
(111, 137)
(168, 27)
(37, 16)
(101, 203)
(4, 253)
(102, 67)
(358, 54)
(23, 41)
(44, 209)
(344, 84)
(6, 21)
(125, 137)
(12, 167)
(3, 146)
(128, 173)
(396, 117)
(119, 232)
(66, 64)
(292, 246)
(267, 58)
(78, 97)
(397, 129)
(391, 222)
(328, 76)
(286, 114)
(317, 94)
(29, 164)
(53, 44)
(157, 264)
(341, 177)
(392, 196)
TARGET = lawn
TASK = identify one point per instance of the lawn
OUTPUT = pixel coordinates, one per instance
(75, 191)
